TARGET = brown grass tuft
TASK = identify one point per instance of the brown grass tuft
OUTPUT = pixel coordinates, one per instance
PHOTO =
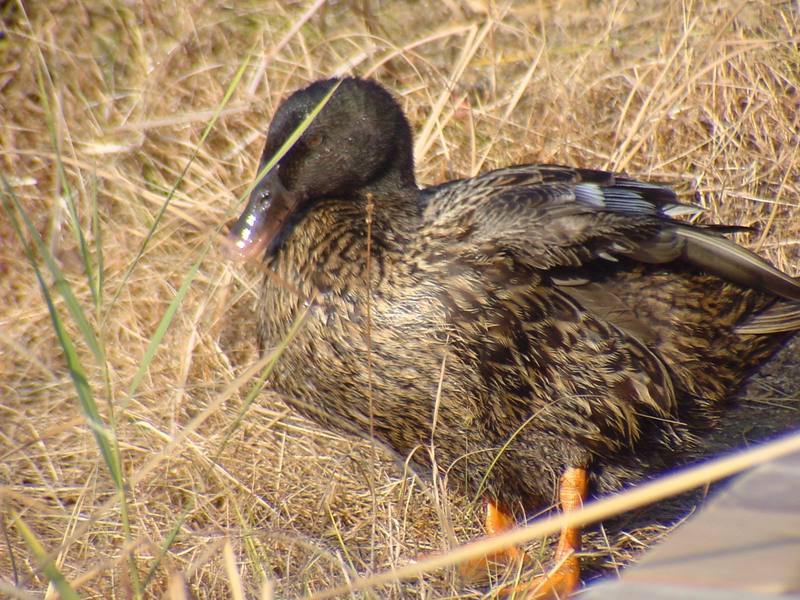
(105, 107)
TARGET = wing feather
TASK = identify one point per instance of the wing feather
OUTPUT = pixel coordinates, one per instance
(554, 217)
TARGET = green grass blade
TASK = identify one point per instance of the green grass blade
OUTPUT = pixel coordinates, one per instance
(290, 141)
(97, 232)
(68, 193)
(73, 306)
(86, 257)
(170, 539)
(102, 435)
(46, 563)
(164, 323)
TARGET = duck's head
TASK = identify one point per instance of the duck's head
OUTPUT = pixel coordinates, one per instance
(360, 142)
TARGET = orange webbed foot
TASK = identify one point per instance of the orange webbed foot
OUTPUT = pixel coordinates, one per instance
(564, 578)
(496, 521)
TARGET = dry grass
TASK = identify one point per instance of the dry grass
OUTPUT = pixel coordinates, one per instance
(104, 108)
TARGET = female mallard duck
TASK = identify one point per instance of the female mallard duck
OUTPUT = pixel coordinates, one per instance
(543, 327)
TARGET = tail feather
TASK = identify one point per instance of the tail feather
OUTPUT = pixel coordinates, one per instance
(783, 317)
(730, 261)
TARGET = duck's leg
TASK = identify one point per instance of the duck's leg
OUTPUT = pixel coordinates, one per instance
(565, 577)
(496, 520)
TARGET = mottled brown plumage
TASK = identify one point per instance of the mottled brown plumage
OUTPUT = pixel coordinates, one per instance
(561, 316)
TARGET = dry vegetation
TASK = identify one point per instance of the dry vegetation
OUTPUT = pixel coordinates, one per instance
(104, 110)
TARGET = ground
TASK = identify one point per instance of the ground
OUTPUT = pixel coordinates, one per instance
(130, 131)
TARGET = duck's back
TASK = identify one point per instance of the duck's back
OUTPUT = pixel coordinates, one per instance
(709, 310)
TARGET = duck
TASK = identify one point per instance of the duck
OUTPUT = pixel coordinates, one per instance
(551, 332)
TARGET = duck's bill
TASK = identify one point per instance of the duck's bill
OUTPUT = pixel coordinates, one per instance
(267, 210)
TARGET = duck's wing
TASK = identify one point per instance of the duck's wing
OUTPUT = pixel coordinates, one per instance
(557, 218)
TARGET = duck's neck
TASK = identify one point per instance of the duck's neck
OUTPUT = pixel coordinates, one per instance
(335, 244)
(391, 219)
(390, 203)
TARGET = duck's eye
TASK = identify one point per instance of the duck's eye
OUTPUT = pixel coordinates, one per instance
(315, 140)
